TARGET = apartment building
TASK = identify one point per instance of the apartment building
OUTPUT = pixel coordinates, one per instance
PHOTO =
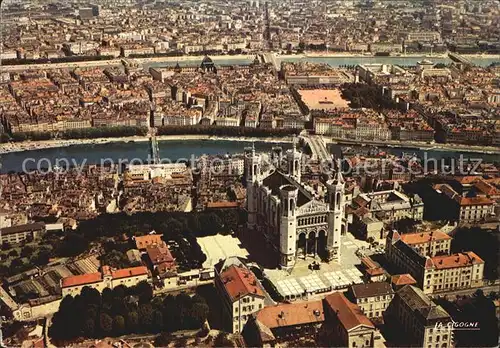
(106, 278)
(144, 172)
(437, 273)
(274, 323)
(241, 295)
(20, 233)
(424, 36)
(348, 326)
(425, 323)
(429, 243)
(372, 298)
(142, 242)
(467, 210)
(390, 204)
(160, 258)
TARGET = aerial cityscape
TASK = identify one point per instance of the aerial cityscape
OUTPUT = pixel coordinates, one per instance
(253, 173)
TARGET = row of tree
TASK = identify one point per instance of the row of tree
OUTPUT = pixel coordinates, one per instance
(367, 96)
(226, 131)
(479, 309)
(124, 131)
(125, 310)
(181, 227)
(82, 133)
(65, 59)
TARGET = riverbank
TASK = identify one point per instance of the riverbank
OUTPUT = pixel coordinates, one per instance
(242, 59)
(418, 145)
(324, 54)
(48, 144)
(415, 145)
(367, 55)
(180, 59)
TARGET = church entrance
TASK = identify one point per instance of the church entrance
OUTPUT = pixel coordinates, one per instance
(301, 245)
(311, 244)
(322, 253)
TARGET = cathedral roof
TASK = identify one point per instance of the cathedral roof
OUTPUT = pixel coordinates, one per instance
(278, 179)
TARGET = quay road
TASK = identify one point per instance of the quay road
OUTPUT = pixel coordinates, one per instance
(491, 150)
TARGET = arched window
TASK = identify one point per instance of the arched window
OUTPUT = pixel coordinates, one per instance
(337, 200)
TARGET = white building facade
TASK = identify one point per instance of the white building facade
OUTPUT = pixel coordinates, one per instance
(292, 216)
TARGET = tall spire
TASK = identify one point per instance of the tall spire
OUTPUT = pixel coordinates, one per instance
(339, 179)
(253, 148)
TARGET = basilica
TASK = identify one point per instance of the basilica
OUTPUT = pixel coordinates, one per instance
(293, 217)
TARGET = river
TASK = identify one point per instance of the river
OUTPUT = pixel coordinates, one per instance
(333, 61)
(169, 149)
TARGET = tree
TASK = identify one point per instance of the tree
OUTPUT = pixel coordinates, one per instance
(90, 296)
(105, 323)
(13, 253)
(132, 322)
(73, 245)
(175, 228)
(230, 219)
(163, 339)
(26, 251)
(118, 325)
(144, 291)
(222, 340)
(89, 327)
(115, 259)
(119, 291)
(107, 298)
(198, 314)
(42, 258)
(211, 222)
(157, 321)
(145, 317)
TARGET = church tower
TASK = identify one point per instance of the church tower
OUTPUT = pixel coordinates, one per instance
(294, 158)
(288, 225)
(336, 226)
(253, 177)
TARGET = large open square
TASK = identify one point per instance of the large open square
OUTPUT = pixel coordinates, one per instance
(304, 282)
(323, 99)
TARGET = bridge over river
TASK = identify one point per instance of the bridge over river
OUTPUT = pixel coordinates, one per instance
(318, 147)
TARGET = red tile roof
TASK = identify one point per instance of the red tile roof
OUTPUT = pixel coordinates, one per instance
(403, 279)
(129, 272)
(474, 201)
(150, 239)
(486, 188)
(240, 282)
(81, 279)
(466, 179)
(292, 314)
(455, 260)
(348, 313)
(424, 237)
(159, 254)
(222, 204)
